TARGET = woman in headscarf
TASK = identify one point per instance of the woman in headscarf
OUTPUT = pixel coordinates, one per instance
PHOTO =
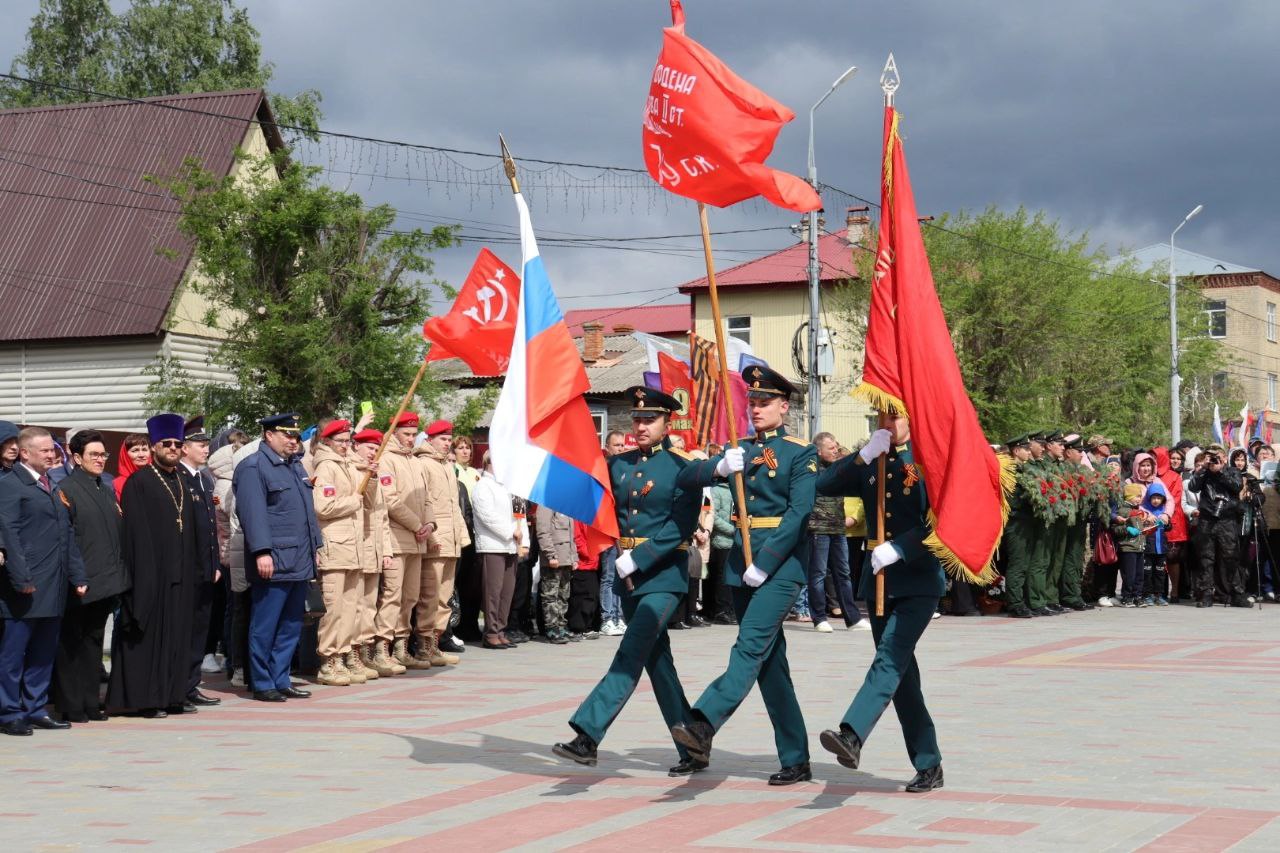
(1168, 473)
(135, 453)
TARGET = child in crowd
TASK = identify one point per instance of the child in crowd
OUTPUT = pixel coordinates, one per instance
(1155, 507)
(1131, 544)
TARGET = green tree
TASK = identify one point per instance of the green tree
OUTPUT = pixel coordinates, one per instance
(320, 301)
(155, 47)
(1049, 333)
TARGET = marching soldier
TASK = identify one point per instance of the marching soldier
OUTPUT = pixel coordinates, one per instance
(656, 518)
(1019, 533)
(779, 471)
(914, 583)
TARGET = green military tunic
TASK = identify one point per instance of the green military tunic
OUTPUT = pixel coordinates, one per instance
(913, 587)
(1057, 542)
(656, 517)
(1019, 535)
(1039, 550)
(779, 476)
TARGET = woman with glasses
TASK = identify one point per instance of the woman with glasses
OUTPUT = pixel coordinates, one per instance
(340, 510)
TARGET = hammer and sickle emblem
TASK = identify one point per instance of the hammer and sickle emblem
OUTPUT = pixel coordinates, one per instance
(493, 287)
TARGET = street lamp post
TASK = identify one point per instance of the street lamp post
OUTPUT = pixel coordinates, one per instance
(815, 385)
(1175, 381)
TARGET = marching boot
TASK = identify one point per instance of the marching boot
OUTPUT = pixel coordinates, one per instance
(382, 662)
(926, 780)
(331, 675)
(844, 744)
(581, 749)
(695, 737)
(438, 656)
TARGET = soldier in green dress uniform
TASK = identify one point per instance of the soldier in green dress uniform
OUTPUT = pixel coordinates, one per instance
(779, 472)
(1055, 464)
(656, 518)
(1019, 533)
(914, 583)
(1072, 575)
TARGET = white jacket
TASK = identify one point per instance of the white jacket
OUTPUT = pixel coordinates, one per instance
(495, 523)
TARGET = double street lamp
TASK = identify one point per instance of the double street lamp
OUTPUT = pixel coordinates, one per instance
(1175, 381)
(815, 296)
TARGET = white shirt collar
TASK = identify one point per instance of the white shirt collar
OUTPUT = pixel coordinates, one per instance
(33, 472)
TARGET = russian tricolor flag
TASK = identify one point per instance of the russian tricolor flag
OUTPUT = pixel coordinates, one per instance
(542, 440)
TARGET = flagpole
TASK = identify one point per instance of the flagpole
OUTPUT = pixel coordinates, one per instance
(744, 522)
(889, 81)
(386, 437)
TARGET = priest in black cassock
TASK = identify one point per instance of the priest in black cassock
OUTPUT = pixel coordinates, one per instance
(151, 643)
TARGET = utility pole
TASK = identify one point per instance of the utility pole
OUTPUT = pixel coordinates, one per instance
(815, 295)
(1175, 381)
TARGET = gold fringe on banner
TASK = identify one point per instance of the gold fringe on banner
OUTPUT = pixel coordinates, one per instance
(881, 400)
(952, 564)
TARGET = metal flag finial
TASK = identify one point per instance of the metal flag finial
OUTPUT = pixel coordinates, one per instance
(889, 80)
(509, 165)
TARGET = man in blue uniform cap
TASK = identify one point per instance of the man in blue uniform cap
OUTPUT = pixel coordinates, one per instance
(655, 520)
(779, 471)
(281, 537)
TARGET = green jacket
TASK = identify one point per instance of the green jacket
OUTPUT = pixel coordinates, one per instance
(906, 515)
(651, 506)
(780, 497)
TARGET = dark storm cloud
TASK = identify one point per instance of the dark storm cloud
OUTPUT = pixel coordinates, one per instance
(1115, 118)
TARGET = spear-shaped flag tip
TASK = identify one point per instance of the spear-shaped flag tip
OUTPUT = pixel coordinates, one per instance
(509, 165)
(889, 79)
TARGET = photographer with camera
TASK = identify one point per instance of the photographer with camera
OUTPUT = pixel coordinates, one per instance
(1219, 489)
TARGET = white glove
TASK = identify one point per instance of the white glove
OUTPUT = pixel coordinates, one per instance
(732, 462)
(884, 554)
(624, 565)
(753, 576)
(878, 445)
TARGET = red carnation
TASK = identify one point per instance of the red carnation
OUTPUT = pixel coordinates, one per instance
(1052, 499)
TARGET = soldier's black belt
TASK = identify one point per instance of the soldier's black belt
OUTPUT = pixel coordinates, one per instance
(626, 543)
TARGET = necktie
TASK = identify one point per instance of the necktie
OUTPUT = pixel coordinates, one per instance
(44, 483)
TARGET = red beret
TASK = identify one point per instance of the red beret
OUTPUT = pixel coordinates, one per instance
(372, 436)
(407, 419)
(335, 427)
(438, 428)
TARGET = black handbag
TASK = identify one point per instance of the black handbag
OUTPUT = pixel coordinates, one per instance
(315, 600)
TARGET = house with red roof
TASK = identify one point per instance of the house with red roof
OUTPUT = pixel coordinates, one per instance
(94, 274)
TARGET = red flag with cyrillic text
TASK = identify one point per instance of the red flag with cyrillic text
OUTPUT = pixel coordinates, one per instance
(676, 382)
(482, 322)
(707, 131)
(910, 366)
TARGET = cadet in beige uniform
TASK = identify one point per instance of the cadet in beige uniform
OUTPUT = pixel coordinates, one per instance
(379, 558)
(444, 545)
(404, 488)
(340, 511)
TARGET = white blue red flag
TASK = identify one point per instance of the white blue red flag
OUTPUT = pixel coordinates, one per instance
(542, 440)
(1217, 426)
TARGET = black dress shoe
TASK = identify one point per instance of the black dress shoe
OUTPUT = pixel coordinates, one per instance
(488, 645)
(1019, 613)
(696, 737)
(17, 728)
(697, 621)
(195, 697)
(269, 696)
(791, 775)
(294, 693)
(185, 708)
(76, 718)
(153, 713)
(1042, 611)
(678, 626)
(48, 723)
(1240, 601)
(1055, 608)
(687, 767)
(844, 745)
(98, 716)
(926, 780)
(1079, 605)
(581, 749)
(724, 619)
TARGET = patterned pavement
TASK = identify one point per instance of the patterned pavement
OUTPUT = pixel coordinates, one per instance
(1110, 730)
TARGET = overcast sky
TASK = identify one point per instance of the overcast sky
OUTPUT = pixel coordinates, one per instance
(1115, 118)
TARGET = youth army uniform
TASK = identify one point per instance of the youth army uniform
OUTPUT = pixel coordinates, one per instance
(779, 475)
(656, 518)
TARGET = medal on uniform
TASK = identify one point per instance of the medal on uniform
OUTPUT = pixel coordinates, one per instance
(648, 487)
(911, 474)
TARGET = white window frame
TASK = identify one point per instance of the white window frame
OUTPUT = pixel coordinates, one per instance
(1271, 322)
(741, 332)
(1210, 311)
(600, 417)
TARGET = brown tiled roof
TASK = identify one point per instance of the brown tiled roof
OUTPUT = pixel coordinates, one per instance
(81, 230)
(654, 319)
(1239, 279)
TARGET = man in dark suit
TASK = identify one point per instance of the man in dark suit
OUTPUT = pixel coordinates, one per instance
(199, 484)
(40, 561)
